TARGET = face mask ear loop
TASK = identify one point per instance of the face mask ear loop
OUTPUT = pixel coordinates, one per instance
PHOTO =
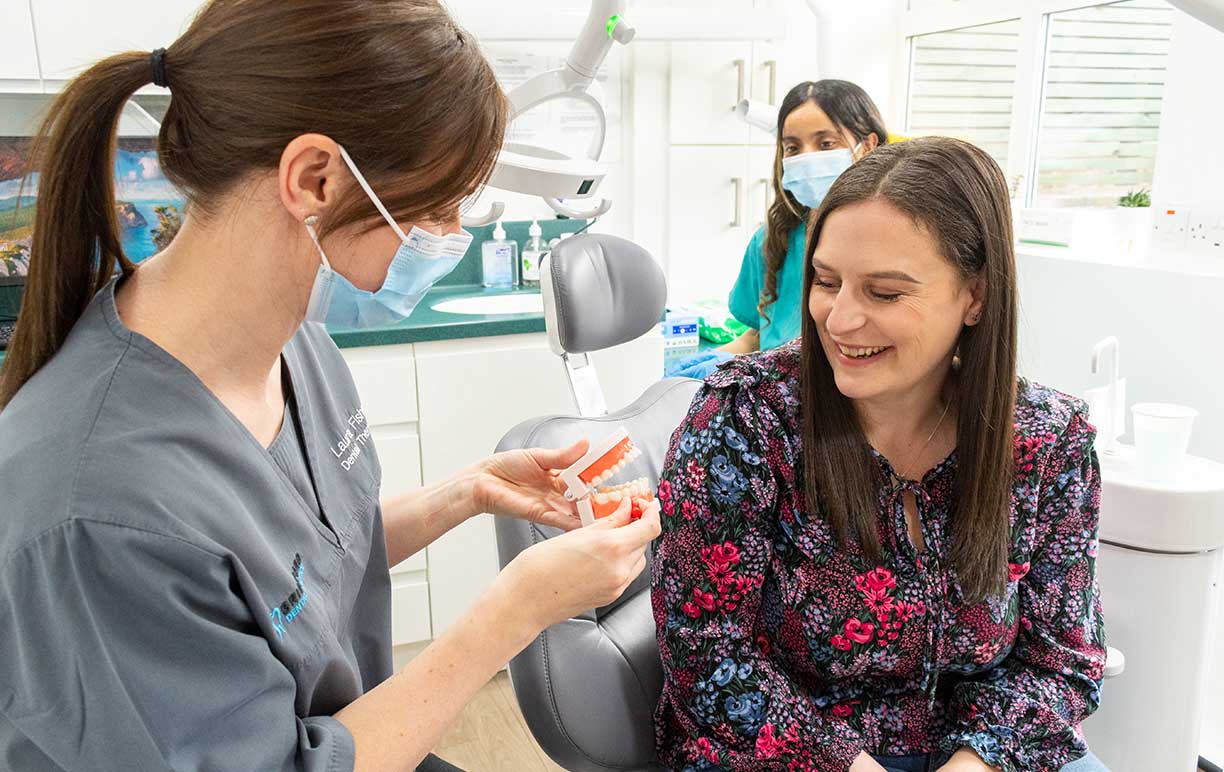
(378, 204)
(310, 223)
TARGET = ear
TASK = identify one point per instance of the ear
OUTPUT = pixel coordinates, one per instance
(977, 288)
(309, 176)
(869, 144)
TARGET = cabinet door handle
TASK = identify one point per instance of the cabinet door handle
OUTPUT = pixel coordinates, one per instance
(741, 66)
(768, 185)
(772, 64)
(739, 202)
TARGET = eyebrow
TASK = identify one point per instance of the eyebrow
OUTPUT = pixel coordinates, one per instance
(820, 133)
(895, 275)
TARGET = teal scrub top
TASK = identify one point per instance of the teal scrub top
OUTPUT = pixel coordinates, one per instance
(784, 322)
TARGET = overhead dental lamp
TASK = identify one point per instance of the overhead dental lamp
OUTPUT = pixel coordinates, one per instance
(1210, 12)
(540, 171)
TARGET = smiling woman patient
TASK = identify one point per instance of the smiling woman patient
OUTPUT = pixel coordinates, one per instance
(879, 544)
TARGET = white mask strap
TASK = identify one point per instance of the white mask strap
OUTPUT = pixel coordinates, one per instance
(310, 223)
(370, 192)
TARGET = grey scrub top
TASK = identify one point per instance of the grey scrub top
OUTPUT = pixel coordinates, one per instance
(168, 599)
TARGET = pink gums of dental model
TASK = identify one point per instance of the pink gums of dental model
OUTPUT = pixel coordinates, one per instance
(603, 461)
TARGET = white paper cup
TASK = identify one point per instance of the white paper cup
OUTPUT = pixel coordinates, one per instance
(1162, 434)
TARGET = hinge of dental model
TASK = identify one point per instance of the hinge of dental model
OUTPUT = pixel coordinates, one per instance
(584, 479)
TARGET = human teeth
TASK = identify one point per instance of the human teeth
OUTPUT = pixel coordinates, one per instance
(859, 353)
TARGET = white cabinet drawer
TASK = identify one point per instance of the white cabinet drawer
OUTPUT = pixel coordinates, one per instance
(386, 380)
(409, 609)
(399, 452)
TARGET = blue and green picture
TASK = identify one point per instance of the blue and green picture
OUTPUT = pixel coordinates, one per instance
(147, 206)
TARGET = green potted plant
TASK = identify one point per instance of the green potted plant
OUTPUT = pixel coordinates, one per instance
(1134, 218)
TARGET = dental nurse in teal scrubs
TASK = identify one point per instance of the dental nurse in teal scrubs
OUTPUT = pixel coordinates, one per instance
(823, 128)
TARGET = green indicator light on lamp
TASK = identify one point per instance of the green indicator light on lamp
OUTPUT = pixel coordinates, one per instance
(612, 22)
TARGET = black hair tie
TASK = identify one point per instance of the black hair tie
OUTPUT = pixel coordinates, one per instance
(157, 63)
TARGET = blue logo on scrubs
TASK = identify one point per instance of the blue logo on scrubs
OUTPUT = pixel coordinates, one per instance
(286, 612)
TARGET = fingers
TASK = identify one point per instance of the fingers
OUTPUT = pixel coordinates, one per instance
(634, 573)
(618, 518)
(566, 522)
(646, 529)
(559, 458)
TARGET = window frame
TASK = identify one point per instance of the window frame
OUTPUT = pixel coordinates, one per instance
(1028, 96)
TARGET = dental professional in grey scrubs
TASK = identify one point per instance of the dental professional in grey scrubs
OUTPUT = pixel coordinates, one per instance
(193, 553)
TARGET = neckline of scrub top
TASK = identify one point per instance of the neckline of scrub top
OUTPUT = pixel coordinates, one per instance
(322, 522)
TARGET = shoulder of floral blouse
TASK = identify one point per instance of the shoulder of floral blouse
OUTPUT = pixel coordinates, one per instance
(772, 376)
(1050, 422)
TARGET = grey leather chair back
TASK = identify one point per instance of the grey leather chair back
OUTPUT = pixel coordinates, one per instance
(588, 687)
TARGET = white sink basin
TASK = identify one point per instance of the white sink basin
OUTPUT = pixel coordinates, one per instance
(493, 305)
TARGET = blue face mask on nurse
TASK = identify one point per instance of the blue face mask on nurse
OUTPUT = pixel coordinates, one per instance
(422, 259)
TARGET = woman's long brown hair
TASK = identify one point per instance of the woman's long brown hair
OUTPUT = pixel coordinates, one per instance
(960, 195)
(398, 84)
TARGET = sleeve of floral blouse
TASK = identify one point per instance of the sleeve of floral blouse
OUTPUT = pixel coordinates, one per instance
(1025, 713)
(725, 704)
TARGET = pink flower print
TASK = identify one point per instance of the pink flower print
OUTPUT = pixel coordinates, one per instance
(706, 749)
(859, 632)
(764, 645)
(842, 710)
(767, 745)
(1026, 624)
(694, 474)
(669, 508)
(880, 603)
(1017, 571)
(1026, 448)
(840, 642)
(690, 609)
(688, 510)
(879, 579)
(704, 599)
(721, 557)
(665, 490)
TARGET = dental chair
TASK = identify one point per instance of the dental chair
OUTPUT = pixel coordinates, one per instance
(588, 686)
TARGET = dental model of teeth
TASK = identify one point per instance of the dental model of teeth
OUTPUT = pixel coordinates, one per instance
(584, 480)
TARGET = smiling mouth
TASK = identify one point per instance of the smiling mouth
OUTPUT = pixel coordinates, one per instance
(861, 354)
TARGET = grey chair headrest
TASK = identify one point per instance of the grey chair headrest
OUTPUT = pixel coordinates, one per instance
(600, 291)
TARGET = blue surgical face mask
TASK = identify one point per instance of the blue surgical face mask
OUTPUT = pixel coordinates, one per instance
(420, 262)
(808, 177)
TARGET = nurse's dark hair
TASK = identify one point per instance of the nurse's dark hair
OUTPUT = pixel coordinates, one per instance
(958, 195)
(404, 89)
(850, 110)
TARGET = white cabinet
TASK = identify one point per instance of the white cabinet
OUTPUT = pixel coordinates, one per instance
(708, 80)
(472, 392)
(720, 169)
(713, 210)
(73, 34)
(760, 188)
(20, 60)
(386, 382)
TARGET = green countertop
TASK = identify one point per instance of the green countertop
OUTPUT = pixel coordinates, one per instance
(426, 324)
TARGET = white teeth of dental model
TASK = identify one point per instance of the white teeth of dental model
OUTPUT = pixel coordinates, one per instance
(601, 498)
(615, 496)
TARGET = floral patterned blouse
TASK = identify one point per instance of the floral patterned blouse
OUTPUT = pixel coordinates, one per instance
(782, 651)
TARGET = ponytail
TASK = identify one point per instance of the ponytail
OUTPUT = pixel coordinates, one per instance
(75, 246)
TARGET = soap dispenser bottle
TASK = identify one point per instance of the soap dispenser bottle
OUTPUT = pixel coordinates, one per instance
(499, 256)
(533, 251)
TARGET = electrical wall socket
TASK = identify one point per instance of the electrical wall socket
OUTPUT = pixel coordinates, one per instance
(1170, 226)
(1205, 229)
